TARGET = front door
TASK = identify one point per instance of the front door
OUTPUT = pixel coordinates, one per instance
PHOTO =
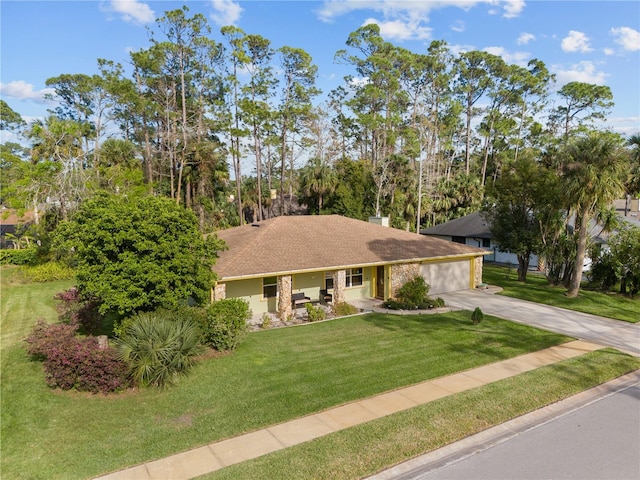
(380, 282)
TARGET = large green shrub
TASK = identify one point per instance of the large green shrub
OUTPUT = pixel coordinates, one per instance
(159, 347)
(138, 255)
(226, 323)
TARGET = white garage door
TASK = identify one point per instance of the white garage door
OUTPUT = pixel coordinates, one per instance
(447, 276)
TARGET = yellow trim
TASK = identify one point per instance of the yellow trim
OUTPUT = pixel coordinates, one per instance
(472, 272)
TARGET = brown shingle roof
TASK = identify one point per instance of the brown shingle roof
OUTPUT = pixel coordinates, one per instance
(302, 243)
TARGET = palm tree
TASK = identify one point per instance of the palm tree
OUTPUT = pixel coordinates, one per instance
(633, 183)
(317, 179)
(594, 174)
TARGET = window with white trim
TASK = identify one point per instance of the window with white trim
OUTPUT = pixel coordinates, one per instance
(354, 277)
(270, 287)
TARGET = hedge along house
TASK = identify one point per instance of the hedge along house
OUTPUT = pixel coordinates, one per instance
(268, 262)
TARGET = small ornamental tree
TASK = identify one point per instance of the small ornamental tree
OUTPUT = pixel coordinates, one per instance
(138, 255)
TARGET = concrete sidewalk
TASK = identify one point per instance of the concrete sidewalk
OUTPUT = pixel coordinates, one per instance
(605, 331)
(215, 456)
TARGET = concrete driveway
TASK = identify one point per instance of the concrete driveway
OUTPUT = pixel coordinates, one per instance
(615, 333)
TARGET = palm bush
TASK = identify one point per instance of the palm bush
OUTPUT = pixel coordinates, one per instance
(159, 346)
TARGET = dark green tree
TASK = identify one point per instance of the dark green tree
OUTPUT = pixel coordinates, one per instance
(518, 207)
(138, 255)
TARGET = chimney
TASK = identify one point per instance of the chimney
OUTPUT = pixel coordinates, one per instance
(384, 221)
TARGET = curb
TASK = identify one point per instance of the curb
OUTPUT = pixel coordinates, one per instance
(486, 439)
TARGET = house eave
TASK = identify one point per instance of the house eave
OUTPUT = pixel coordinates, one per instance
(464, 256)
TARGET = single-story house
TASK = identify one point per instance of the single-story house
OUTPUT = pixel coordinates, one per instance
(11, 224)
(473, 230)
(273, 262)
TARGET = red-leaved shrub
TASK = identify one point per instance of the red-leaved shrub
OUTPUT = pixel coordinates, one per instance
(44, 337)
(76, 362)
(76, 311)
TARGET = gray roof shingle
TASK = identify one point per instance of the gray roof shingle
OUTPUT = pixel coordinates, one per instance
(469, 226)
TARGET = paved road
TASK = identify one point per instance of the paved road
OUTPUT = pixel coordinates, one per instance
(598, 441)
(615, 333)
(594, 435)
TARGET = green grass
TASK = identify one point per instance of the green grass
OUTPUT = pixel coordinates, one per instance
(22, 304)
(536, 289)
(371, 447)
(274, 376)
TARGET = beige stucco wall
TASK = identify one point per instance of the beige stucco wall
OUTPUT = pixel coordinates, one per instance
(251, 291)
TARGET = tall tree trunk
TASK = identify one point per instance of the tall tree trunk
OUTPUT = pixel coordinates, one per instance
(523, 267)
(574, 284)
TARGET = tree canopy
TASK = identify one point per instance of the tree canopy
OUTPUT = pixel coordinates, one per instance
(138, 255)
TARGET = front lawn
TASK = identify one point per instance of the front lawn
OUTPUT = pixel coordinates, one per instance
(536, 289)
(368, 448)
(275, 375)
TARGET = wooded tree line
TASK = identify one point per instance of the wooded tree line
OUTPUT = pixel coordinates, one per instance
(233, 130)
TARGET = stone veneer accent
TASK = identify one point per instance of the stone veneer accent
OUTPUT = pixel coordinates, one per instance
(339, 285)
(284, 297)
(219, 292)
(401, 274)
(477, 280)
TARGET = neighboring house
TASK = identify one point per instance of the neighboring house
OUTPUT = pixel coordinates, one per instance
(628, 207)
(268, 262)
(11, 226)
(473, 230)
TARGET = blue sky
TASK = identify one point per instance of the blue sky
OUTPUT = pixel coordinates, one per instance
(589, 41)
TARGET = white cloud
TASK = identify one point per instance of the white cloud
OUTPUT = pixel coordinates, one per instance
(358, 81)
(21, 90)
(576, 42)
(132, 11)
(518, 58)
(226, 12)
(609, 51)
(458, 26)
(401, 30)
(513, 8)
(525, 38)
(627, 37)
(392, 9)
(456, 50)
(585, 72)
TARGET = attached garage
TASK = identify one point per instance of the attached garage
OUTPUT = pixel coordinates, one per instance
(447, 276)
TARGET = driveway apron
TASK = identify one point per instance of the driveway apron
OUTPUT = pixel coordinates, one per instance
(615, 333)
